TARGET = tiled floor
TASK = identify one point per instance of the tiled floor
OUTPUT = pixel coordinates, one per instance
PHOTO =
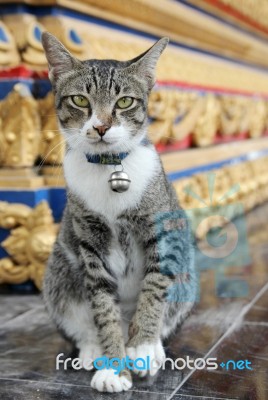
(221, 327)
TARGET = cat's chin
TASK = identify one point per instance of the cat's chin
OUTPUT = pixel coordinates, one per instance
(103, 147)
(100, 147)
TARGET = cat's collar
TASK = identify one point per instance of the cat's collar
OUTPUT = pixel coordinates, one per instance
(109, 158)
(106, 158)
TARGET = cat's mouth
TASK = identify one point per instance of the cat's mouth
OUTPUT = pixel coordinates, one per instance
(103, 141)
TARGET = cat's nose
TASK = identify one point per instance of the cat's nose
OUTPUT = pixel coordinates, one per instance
(101, 129)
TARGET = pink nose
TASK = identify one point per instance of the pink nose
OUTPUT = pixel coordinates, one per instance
(101, 129)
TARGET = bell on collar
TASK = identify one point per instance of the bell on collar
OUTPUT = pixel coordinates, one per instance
(119, 181)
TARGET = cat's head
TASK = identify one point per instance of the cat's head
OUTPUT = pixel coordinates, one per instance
(101, 104)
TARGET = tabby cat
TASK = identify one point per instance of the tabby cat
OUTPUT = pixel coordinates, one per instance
(110, 283)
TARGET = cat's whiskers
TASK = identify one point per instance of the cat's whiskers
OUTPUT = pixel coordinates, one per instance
(113, 139)
(62, 142)
(52, 130)
(54, 165)
(59, 166)
(47, 155)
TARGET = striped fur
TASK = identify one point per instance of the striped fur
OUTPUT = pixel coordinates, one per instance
(105, 286)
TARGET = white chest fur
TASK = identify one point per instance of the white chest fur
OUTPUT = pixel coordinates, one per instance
(90, 181)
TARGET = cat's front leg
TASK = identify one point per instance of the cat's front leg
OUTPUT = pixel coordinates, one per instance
(145, 327)
(102, 289)
(107, 320)
(168, 258)
(160, 268)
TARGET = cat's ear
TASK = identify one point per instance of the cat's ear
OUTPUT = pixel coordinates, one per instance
(58, 57)
(145, 63)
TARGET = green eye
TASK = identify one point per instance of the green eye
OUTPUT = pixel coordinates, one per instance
(124, 102)
(80, 101)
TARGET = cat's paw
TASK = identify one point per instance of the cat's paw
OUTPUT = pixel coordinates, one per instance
(88, 353)
(153, 350)
(107, 381)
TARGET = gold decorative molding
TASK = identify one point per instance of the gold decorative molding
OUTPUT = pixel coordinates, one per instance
(246, 14)
(178, 21)
(20, 178)
(190, 158)
(255, 10)
(176, 64)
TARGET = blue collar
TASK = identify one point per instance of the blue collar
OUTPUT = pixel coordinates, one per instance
(106, 159)
(110, 159)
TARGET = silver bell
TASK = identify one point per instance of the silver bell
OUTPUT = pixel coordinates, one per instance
(119, 181)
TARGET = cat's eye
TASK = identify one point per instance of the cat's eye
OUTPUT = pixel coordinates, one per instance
(124, 102)
(80, 101)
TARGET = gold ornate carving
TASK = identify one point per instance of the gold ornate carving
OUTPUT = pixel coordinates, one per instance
(69, 36)
(19, 139)
(29, 244)
(162, 111)
(230, 116)
(20, 128)
(250, 178)
(28, 130)
(52, 145)
(9, 55)
(178, 113)
(258, 117)
(13, 215)
(23, 28)
(207, 124)
(185, 189)
(188, 106)
(174, 114)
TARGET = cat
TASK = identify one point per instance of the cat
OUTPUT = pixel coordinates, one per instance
(108, 278)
